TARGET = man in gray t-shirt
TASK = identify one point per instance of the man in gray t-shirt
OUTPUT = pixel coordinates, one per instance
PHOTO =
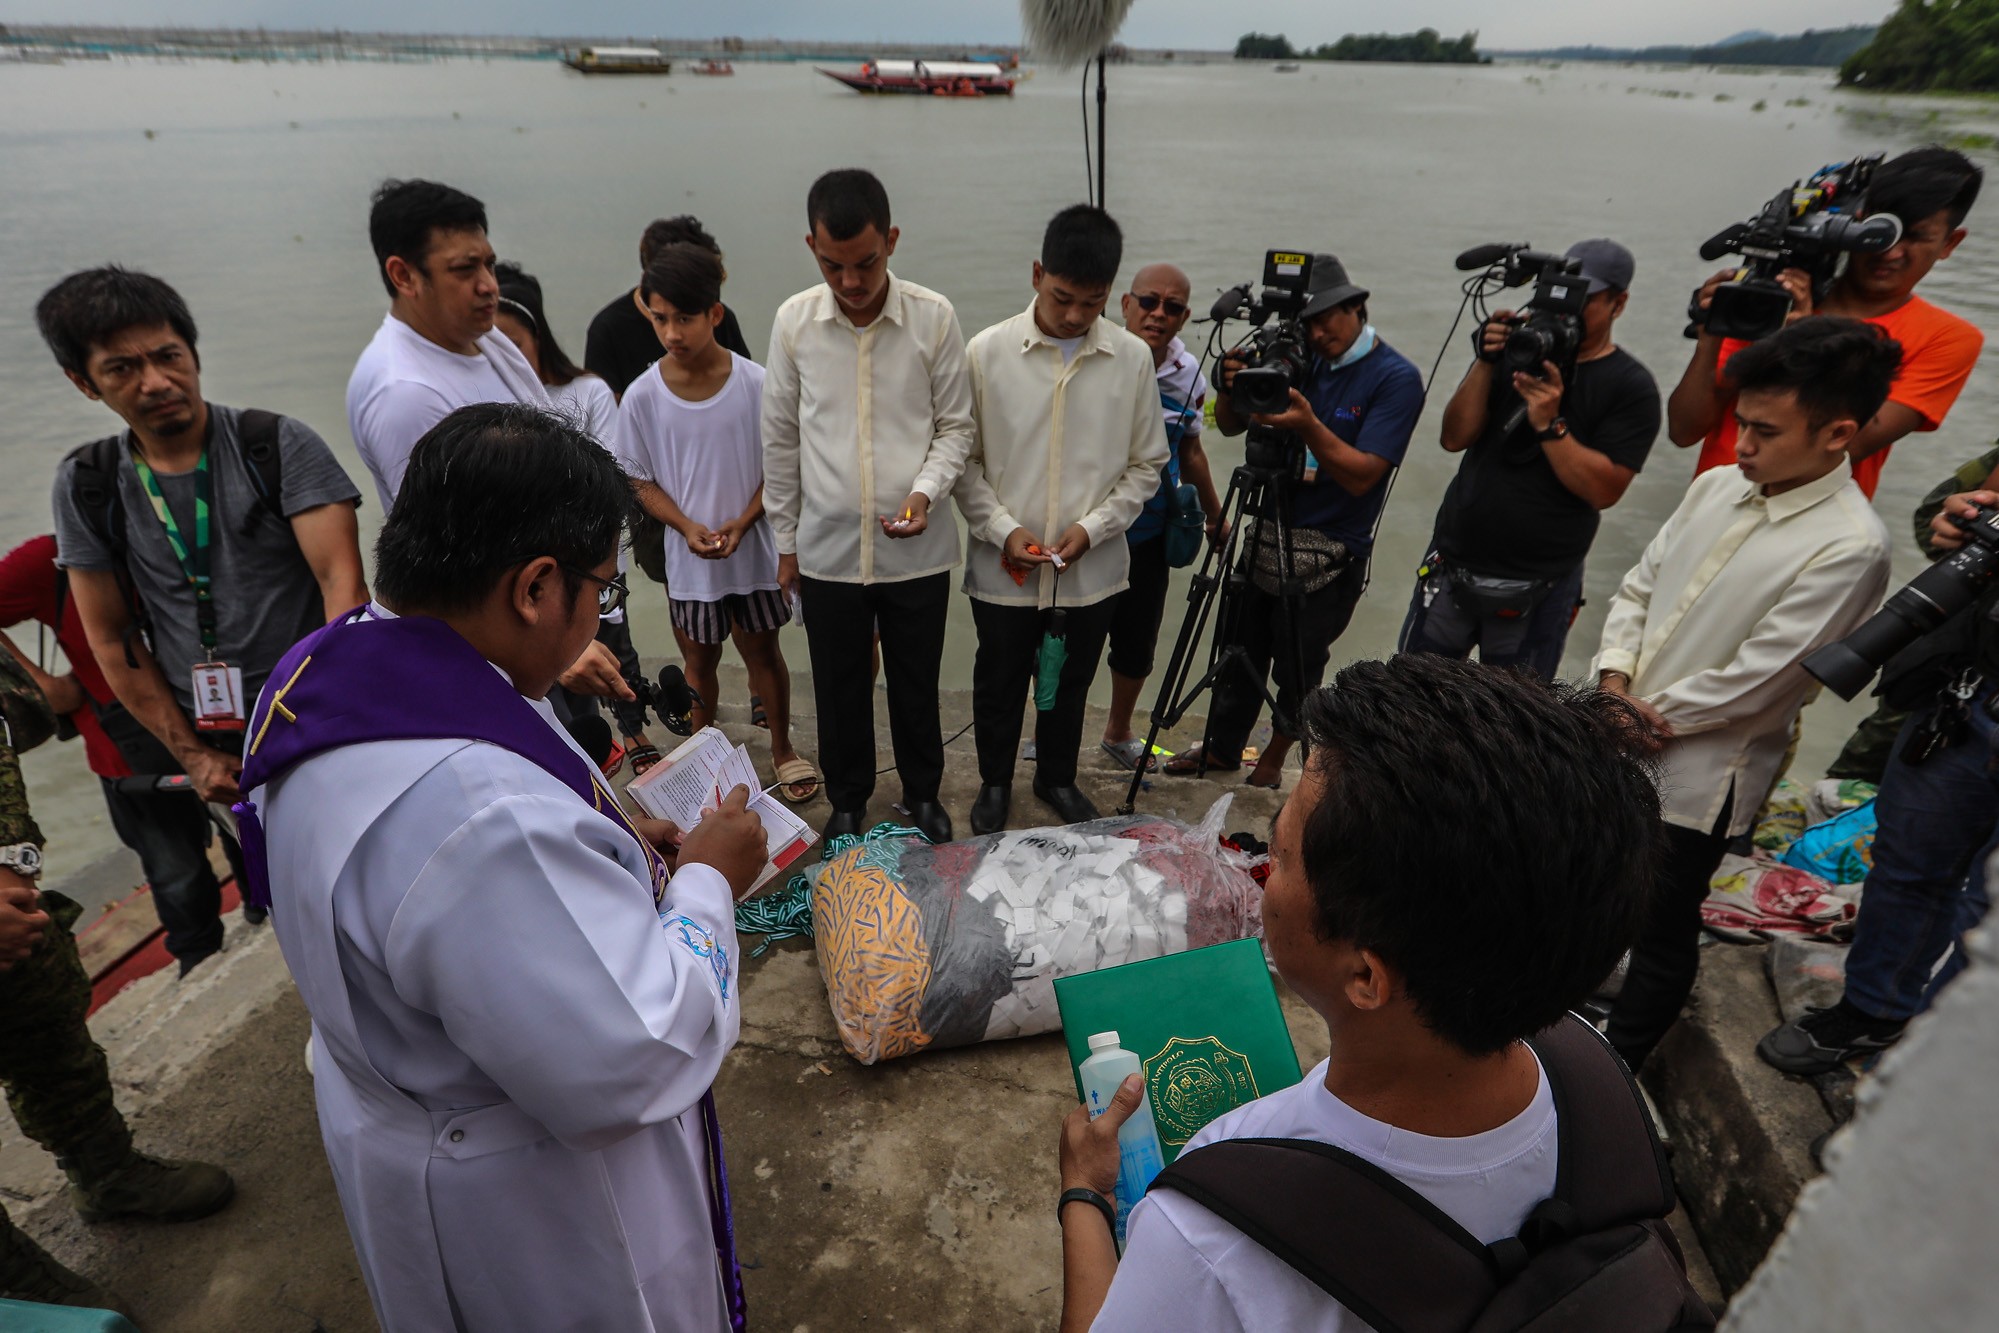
(266, 596)
(126, 340)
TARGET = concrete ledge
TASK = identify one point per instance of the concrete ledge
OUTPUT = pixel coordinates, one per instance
(1744, 1131)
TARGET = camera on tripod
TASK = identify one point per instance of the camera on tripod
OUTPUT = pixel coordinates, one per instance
(1276, 356)
(1807, 226)
(1929, 599)
(1551, 326)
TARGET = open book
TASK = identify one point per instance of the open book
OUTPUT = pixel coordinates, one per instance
(693, 780)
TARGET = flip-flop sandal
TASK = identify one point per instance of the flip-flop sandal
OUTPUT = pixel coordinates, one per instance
(1187, 764)
(759, 718)
(643, 754)
(614, 761)
(1125, 754)
(797, 773)
(1266, 786)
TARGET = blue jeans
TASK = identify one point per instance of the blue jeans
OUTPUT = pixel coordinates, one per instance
(1449, 629)
(1937, 823)
(170, 833)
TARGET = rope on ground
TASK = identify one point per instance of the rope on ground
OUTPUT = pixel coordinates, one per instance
(787, 913)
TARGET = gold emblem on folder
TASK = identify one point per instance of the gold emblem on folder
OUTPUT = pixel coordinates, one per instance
(1193, 1080)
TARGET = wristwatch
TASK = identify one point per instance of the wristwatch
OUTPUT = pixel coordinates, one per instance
(1558, 429)
(23, 858)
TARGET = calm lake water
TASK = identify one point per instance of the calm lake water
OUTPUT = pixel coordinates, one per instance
(247, 186)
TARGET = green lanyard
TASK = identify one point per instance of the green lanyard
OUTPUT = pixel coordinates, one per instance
(193, 563)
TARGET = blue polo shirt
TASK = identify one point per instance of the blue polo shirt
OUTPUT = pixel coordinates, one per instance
(1371, 404)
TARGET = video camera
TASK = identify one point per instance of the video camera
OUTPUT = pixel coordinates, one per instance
(1808, 226)
(1929, 599)
(1551, 329)
(1276, 357)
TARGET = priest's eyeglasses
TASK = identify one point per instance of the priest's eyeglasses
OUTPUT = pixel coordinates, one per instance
(610, 596)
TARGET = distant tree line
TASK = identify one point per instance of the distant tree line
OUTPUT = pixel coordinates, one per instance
(1424, 47)
(1828, 47)
(1926, 45)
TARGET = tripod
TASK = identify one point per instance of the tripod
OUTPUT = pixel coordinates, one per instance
(1260, 489)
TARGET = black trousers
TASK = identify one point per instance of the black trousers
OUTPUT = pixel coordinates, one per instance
(841, 620)
(1265, 630)
(1137, 611)
(1667, 956)
(1009, 644)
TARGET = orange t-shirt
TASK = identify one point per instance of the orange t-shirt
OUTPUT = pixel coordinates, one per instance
(1938, 352)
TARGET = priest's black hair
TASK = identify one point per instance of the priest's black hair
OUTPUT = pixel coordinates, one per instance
(1489, 836)
(487, 489)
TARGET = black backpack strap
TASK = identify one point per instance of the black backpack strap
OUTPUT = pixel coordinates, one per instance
(94, 485)
(1369, 1241)
(257, 437)
(1611, 1168)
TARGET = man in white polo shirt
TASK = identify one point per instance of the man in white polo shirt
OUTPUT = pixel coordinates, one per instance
(436, 350)
(867, 418)
(1070, 447)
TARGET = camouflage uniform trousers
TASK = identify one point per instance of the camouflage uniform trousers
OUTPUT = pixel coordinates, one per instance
(58, 1082)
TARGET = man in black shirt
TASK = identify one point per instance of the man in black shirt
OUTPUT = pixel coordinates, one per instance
(1505, 570)
(621, 342)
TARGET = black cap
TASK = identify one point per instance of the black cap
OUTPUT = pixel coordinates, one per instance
(1329, 286)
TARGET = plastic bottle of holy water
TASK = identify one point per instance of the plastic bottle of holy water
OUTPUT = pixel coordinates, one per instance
(1139, 1156)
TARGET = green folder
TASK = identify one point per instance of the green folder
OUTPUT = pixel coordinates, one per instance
(1206, 1023)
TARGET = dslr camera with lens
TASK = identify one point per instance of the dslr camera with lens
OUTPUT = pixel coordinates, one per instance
(1807, 226)
(1932, 597)
(1276, 356)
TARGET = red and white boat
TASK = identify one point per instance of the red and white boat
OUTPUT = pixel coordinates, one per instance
(712, 67)
(932, 78)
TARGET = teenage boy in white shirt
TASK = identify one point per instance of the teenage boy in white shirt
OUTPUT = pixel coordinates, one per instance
(1415, 968)
(688, 437)
(867, 418)
(1070, 446)
(1760, 565)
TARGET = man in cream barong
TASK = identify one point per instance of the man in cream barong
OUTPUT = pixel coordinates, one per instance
(518, 1005)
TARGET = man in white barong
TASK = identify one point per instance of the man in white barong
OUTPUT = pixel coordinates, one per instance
(517, 1015)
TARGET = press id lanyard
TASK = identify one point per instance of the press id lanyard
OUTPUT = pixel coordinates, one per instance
(218, 688)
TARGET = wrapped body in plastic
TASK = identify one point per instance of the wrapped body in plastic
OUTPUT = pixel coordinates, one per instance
(925, 947)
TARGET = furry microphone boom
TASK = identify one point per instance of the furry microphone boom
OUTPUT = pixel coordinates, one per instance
(1068, 32)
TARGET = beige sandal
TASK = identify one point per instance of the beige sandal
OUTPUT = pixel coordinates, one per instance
(794, 773)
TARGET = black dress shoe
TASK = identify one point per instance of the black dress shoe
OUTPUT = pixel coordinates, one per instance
(1072, 805)
(932, 818)
(844, 823)
(989, 810)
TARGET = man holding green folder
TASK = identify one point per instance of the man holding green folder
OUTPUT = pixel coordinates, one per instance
(1462, 862)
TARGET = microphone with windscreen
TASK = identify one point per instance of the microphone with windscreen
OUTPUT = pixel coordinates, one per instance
(671, 697)
(593, 734)
(1068, 32)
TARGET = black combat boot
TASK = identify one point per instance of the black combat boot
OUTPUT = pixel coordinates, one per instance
(30, 1273)
(108, 1178)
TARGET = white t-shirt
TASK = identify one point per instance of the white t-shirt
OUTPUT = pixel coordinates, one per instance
(707, 456)
(403, 384)
(1068, 347)
(1184, 1267)
(589, 405)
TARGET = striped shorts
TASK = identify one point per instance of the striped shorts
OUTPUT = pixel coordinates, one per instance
(711, 622)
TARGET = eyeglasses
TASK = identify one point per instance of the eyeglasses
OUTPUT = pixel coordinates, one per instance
(1152, 301)
(610, 596)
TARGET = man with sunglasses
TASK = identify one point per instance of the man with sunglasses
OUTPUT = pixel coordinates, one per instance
(1156, 310)
(1544, 455)
(520, 994)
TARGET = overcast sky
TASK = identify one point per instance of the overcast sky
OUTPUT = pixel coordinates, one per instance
(1186, 23)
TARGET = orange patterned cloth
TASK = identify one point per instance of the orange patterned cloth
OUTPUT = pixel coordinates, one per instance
(872, 955)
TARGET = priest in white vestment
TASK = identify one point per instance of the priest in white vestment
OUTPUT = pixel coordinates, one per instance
(517, 1016)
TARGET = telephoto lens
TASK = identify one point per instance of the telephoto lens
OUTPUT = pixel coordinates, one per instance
(1932, 597)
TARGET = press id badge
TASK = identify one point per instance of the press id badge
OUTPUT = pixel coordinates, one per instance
(218, 697)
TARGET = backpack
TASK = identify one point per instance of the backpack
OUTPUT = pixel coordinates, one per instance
(1595, 1255)
(94, 484)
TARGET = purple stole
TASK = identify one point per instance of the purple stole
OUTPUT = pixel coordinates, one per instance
(414, 678)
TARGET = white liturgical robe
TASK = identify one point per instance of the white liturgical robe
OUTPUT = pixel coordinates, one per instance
(512, 1040)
